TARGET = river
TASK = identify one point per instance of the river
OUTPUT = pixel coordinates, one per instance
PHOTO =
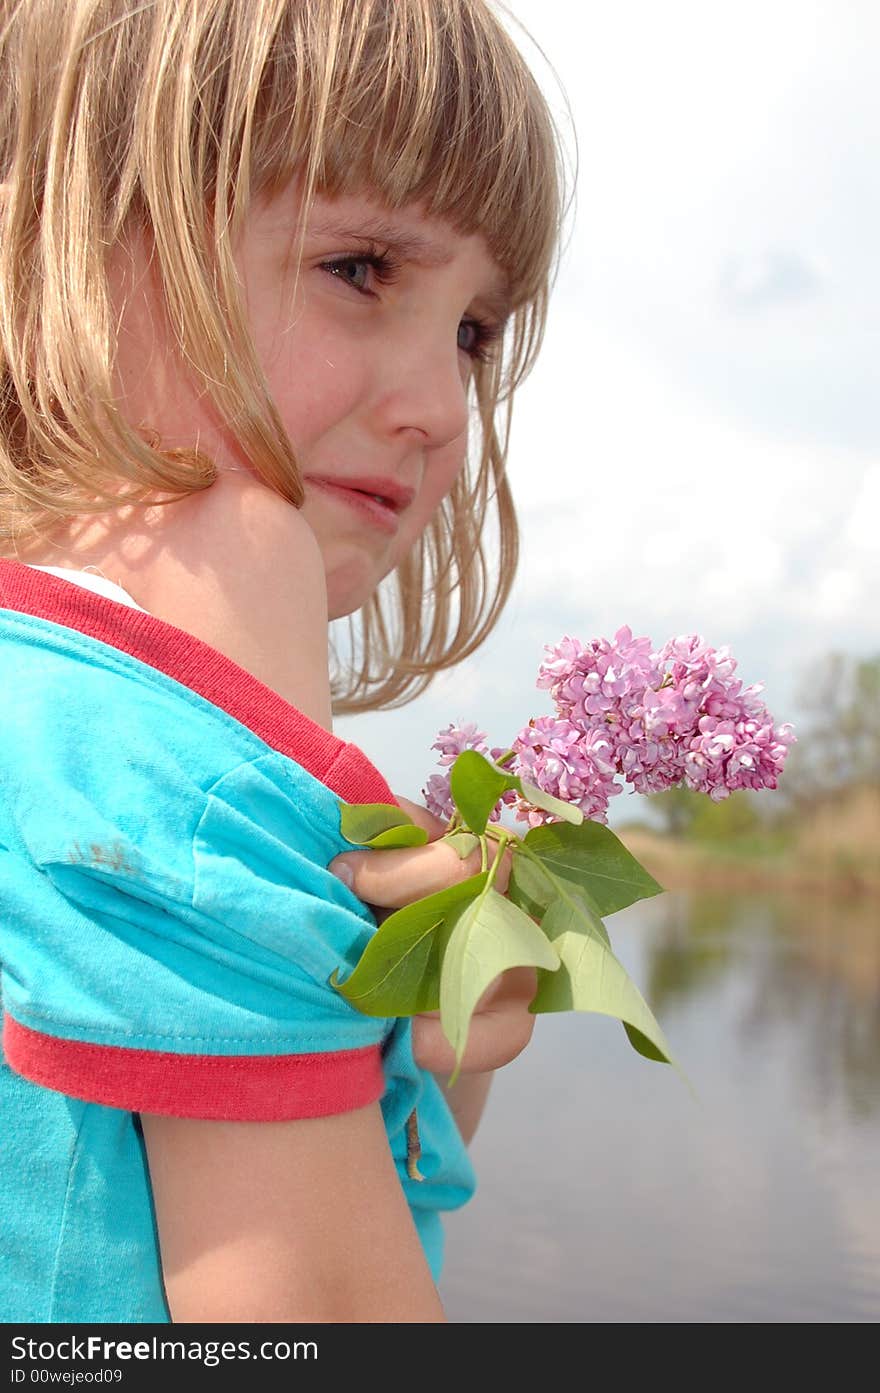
(609, 1192)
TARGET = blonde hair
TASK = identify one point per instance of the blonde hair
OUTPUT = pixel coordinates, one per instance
(172, 116)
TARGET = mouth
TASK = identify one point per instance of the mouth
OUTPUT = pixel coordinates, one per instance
(380, 501)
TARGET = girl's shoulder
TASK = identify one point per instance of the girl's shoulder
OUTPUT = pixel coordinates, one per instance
(239, 567)
(235, 565)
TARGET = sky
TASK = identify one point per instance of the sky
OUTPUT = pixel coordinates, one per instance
(698, 447)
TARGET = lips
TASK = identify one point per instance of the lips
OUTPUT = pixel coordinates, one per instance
(386, 491)
(377, 500)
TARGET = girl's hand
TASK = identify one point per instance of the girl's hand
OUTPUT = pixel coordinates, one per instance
(500, 1028)
(388, 880)
(501, 1025)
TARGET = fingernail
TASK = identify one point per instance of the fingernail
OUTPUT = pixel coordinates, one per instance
(344, 873)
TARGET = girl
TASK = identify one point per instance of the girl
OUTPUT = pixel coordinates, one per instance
(268, 272)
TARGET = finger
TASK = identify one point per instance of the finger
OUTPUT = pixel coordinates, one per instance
(494, 1039)
(514, 987)
(397, 876)
(436, 829)
(422, 818)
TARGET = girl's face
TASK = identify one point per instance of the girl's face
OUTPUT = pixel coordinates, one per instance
(369, 367)
(368, 358)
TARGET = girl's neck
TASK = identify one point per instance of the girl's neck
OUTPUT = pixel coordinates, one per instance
(229, 565)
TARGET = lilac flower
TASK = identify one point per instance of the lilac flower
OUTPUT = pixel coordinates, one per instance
(451, 742)
(437, 796)
(650, 762)
(595, 680)
(677, 716)
(456, 738)
(574, 765)
(696, 725)
(727, 755)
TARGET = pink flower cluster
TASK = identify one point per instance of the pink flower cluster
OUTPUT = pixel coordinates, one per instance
(571, 763)
(452, 742)
(677, 716)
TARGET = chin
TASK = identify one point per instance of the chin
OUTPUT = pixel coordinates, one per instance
(343, 600)
(353, 585)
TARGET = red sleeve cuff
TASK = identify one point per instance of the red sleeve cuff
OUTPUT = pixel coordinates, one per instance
(213, 1087)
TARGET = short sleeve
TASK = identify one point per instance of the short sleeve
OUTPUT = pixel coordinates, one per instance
(177, 959)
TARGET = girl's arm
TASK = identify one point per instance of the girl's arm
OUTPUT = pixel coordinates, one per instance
(307, 1221)
(286, 1221)
(271, 1221)
(467, 1100)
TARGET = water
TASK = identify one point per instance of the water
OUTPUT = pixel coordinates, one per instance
(607, 1193)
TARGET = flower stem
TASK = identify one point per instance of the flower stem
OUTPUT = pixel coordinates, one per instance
(413, 1147)
(502, 840)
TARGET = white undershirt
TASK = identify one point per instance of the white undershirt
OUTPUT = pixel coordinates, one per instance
(90, 580)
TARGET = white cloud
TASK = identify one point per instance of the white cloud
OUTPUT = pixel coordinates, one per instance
(643, 501)
(770, 276)
(861, 530)
(837, 592)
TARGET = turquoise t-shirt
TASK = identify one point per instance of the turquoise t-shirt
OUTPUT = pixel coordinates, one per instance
(168, 929)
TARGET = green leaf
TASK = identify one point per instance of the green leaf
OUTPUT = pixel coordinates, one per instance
(529, 886)
(591, 857)
(592, 979)
(406, 835)
(398, 972)
(490, 936)
(567, 811)
(476, 785)
(360, 821)
(534, 889)
(644, 1046)
(363, 823)
(462, 842)
(575, 913)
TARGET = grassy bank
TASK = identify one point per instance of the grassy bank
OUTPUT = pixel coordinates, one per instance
(832, 848)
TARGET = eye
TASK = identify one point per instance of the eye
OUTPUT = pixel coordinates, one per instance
(468, 336)
(475, 338)
(355, 271)
(363, 270)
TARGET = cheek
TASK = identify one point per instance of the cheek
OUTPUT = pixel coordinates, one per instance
(315, 381)
(441, 472)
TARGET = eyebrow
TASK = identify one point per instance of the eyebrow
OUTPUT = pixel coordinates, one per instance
(411, 245)
(414, 247)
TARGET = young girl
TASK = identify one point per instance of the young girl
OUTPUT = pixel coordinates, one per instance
(268, 274)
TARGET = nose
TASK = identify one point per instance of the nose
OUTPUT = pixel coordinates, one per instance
(424, 392)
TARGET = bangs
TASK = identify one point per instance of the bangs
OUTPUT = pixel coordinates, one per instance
(427, 102)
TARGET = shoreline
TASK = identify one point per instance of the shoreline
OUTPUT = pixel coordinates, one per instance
(691, 866)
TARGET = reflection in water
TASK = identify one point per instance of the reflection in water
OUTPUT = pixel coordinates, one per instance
(812, 964)
(607, 1194)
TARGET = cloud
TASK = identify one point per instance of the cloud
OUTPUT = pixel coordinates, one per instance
(640, 491)
(777, 275)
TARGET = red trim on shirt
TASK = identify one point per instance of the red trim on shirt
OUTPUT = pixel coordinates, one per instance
(230, 1088)
(342, 767)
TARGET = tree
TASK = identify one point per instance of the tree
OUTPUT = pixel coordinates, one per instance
(676, 807)
(839, 744)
